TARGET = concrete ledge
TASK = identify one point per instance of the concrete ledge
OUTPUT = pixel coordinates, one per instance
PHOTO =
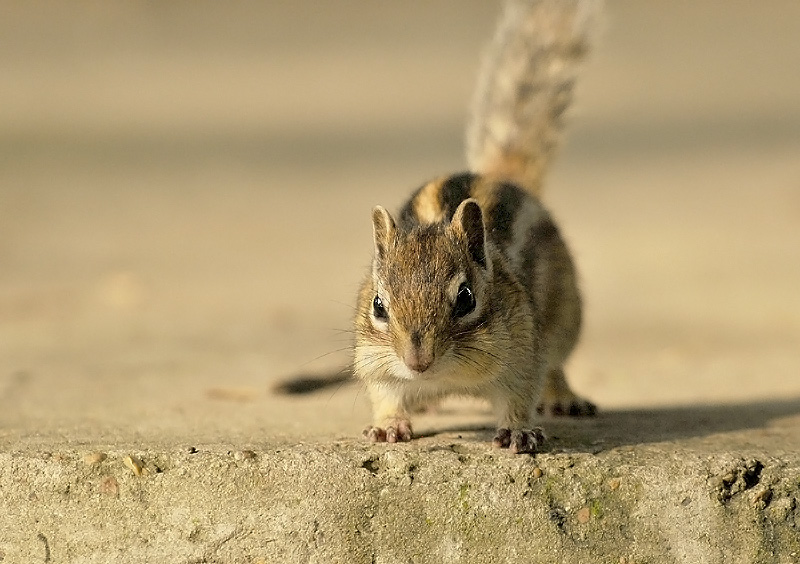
(446, 498)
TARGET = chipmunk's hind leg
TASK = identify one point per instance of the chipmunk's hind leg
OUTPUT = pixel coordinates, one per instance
(559, 400)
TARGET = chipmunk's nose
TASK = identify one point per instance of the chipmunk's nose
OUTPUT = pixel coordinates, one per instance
(417, 356)
(417, 360)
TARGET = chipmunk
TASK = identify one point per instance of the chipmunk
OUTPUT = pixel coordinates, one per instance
(472, 290)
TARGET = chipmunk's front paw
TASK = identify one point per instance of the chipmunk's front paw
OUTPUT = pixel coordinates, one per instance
(519, 441)
(393, 431)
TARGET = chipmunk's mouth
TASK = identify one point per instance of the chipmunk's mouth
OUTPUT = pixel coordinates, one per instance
(441, 369)
(409, 371)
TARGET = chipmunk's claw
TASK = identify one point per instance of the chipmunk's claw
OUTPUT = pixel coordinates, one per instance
(395, 432)
(519, 441)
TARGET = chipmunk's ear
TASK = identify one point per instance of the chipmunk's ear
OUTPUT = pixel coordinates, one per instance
(383, 230)
(468, 223)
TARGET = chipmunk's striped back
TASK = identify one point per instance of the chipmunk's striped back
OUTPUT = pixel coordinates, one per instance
(515, 222)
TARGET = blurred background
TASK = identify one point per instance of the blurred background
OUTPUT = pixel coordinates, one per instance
(185, 191)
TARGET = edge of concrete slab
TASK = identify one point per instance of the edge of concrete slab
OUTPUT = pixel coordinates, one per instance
(440, 499)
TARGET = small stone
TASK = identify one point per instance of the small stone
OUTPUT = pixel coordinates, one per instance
(191, 450)
(245, 455)
(109, 486)
(537, 472)
(762, 497)
(134, 464)
(613, 484)
(239, 395)
(94, 458)
(121, 290)
(583, 515)
(781, 509)
(686, 501)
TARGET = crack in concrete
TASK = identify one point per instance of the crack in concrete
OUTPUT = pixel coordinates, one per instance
(214, 546)
(43, 538)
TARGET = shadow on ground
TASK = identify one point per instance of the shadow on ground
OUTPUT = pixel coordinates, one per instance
(635, 426)
(611, 428)
(617, 428)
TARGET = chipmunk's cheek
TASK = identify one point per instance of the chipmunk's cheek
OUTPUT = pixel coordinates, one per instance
(399, 369)
(379, 325)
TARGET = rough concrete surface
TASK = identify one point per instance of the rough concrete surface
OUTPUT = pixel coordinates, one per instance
(184, 218)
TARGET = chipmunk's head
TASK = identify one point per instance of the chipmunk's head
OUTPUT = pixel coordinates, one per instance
(427, 296)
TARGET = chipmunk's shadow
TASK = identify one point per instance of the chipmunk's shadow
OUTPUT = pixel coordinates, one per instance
(615, 428)
(611, 428)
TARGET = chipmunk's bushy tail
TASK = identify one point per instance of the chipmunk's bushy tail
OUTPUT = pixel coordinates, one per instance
(525, 86)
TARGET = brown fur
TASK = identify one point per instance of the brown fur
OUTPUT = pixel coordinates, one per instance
(527, 314)
(472, 290)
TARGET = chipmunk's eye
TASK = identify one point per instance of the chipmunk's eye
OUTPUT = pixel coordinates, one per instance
(378, 309)
(465, 301)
